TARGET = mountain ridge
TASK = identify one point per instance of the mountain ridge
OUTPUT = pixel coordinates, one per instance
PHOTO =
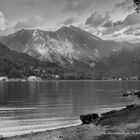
(72, 43)
(74, 48)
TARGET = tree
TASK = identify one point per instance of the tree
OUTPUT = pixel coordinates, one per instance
(137, 5)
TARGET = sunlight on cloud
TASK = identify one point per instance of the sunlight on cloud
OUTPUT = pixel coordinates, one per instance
(2, 21)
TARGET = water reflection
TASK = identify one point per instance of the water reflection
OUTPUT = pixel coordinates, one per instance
(37, 105)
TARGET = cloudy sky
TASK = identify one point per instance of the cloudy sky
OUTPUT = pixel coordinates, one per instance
(109, 19)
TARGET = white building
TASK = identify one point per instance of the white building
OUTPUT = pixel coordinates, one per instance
(3, 78)
(32, 78)
(55, 76)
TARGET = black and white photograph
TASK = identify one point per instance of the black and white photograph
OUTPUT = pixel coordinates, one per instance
(69, 69)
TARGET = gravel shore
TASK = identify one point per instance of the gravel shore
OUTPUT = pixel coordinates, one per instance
(123, 124)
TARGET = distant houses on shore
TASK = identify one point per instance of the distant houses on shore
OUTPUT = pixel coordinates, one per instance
(4, 78)
(64, 77)
(31, 78)
(121, 78)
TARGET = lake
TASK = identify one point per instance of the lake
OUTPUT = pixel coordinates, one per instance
(39, 106)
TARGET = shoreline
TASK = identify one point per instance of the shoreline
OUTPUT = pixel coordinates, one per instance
(53, 80)
(41, 131)
(28, 132)
(77, 123)
(122, 120)
(50, 134)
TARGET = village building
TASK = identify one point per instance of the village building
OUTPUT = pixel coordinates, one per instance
(33, 78)
(3, 78)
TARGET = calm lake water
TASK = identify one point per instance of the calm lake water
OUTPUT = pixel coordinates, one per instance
(37, 106)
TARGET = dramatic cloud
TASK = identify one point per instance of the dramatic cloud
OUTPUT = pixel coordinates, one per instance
(137, 34)
(104, 23)
(77, 5)
(132, 30)
(32, 3)
(31, 23)
(82, 6)
(132, 19)
(69, 21)
(6, 27)
(111, 27)
(97, 19)
(110, 24)
(111, 30)
(126, 5)
(116, 35)
(56, 11)
(128, 26)
(20, 14)
(2, 21)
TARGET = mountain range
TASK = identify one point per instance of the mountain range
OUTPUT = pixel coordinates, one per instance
(76, 49)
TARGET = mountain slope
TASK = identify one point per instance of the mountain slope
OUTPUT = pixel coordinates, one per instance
(76, 49)
(16, 64)
(63, 46)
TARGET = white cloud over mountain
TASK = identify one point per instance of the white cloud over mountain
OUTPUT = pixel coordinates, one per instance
(2, 21)
(103, 25)
(97, 19)
(96, 16)
(69, 21)
(33, 22)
